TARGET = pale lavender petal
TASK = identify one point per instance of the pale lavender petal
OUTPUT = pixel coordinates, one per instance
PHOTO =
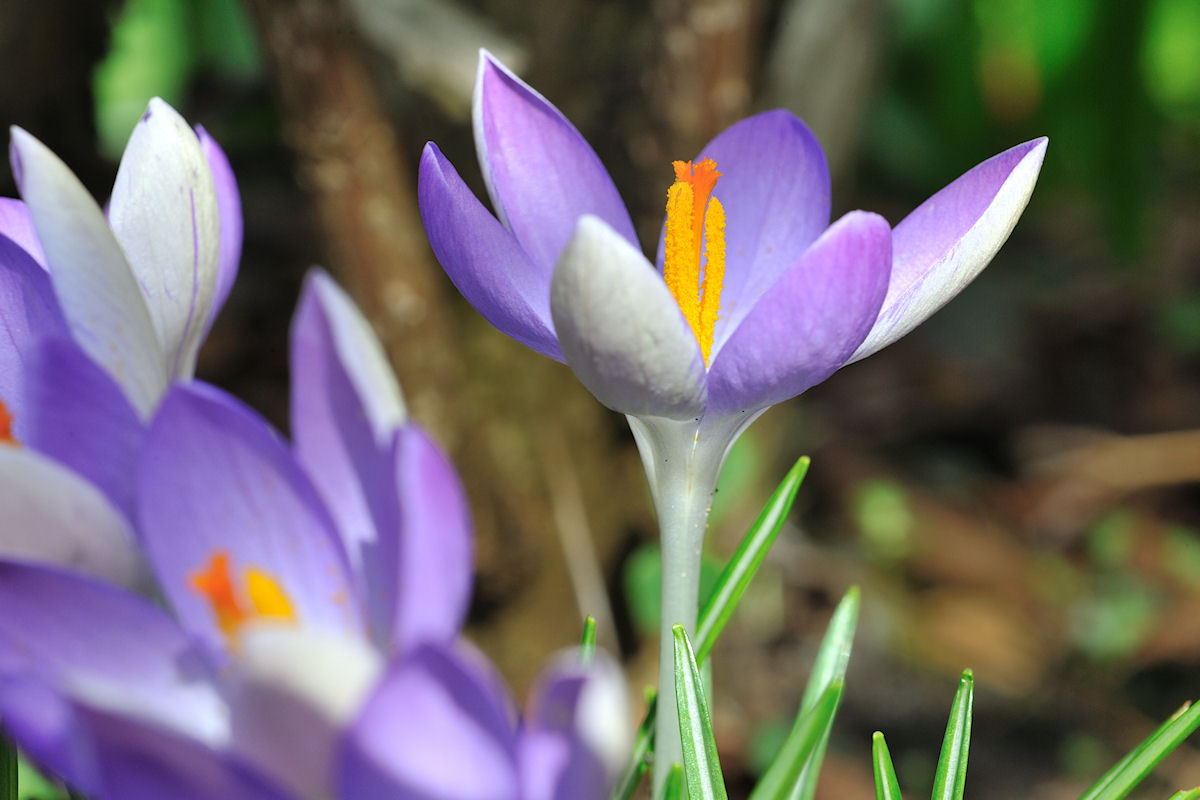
(541, 174)
(41, 720)
(622, 331)
(345, 406)
(96, 290)
(102, 645)
(54, 516)
(214, 478)
(78, 415)
(941, 246)
(16, 224)
(29, 312)
(483, 259)
(433, 569)
(135, 760)
(296, 690)
(163, 211)
(229, 208)
(774, 188)
(809, 322)
(436, 728)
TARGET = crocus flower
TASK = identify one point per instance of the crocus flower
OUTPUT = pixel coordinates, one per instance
(103, 310)
(755, 296)
(314, 612)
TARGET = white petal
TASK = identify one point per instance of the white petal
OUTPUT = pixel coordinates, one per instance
(297, 690)
(163, 211)
(99, 294)
(362, 356)
(621, 330)
(52, 515)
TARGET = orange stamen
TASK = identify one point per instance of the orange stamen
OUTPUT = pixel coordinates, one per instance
(267, 599)
(6, 425)
(695, 232)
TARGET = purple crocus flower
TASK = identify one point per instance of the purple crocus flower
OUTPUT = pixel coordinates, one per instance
(103, 311)
(311, 593)
(755, 296)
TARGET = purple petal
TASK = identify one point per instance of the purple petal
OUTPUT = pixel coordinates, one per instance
(621, 329)
(345, 406)
(941, 246)
(52, 515)
(433, 569)
(16, 224)
(29, 312)
(774, 188)
(229, 209)
(214, 478)
(139, 761)
(484, 260)
(103, 645)
(41, 720)
(435, 728)
(98, 294)
(809, 322)
(78, 415)
(541, 174)
(164, 213)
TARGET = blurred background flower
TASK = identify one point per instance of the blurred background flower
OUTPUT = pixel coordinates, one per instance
(1012, 484)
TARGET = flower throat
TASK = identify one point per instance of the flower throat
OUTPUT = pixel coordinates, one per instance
(694, 255)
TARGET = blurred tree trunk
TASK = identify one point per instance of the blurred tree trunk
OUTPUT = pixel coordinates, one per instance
(499, 408)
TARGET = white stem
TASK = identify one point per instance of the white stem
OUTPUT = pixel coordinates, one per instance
(683, 461)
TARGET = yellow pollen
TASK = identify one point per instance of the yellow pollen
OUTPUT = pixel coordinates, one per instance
(263, 598)
(695, 234)
(6, 421)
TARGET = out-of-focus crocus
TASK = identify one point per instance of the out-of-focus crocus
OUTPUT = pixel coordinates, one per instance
(755, 298)
(103, 310)
(316, 598)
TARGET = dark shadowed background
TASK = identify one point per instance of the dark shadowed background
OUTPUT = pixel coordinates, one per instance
(1013, 485)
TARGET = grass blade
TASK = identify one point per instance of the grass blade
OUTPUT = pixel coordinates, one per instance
(587, 642)
(8, 769)
(886, 785)
(951, 777)
(782, 778)
(745, 562)
(701, 768)
(1137, 764)
(1186, 794)
(673, 788)
(798, 761)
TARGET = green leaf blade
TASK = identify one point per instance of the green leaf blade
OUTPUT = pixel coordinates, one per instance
(886, 785)
(1127, 773)
(950, 780)
(701, 767)
(587, 642)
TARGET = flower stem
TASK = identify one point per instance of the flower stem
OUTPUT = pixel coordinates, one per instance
(683, 461)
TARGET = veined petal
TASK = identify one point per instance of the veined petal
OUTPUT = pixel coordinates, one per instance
(774, 188)
(432, 570)
(621, 329)
(139, 761)
(109, 648)
(435, 727)
(229, 208)
(214, 478)
(297, 689)
(346, 404)
(98, 293)
(16, 224)
(163, 211)
(54, 516)
(540, 172)
(941, 246)
(809, 322)
(77, 414)
(483, 259)
(29, 312)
